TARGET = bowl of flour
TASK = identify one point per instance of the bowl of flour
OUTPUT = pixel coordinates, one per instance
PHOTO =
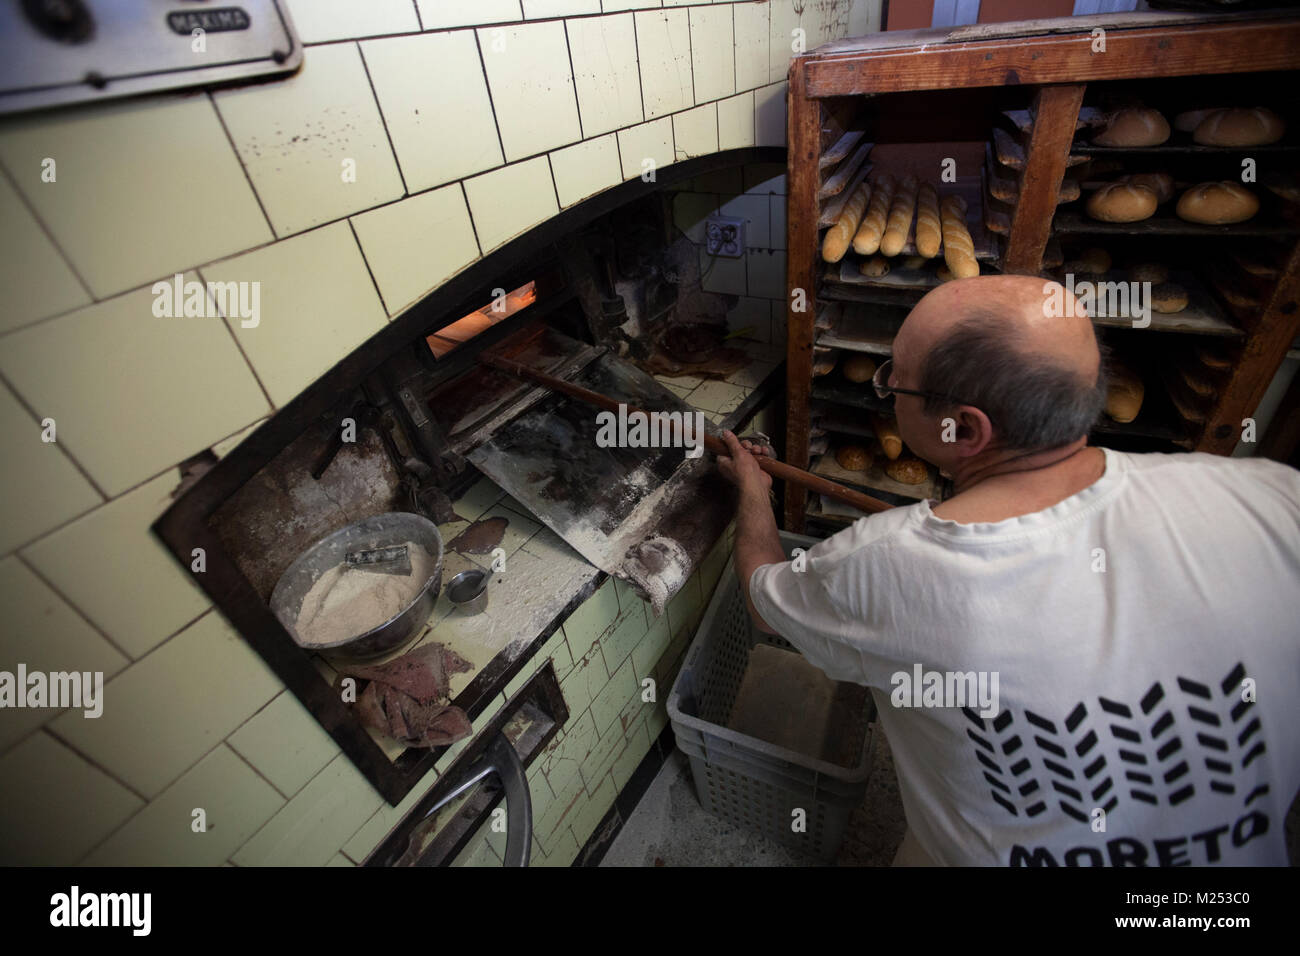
(356, 614)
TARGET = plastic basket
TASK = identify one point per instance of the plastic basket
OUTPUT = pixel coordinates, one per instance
(753, 783)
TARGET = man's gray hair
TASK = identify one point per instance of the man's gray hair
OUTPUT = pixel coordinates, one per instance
(1033, 403)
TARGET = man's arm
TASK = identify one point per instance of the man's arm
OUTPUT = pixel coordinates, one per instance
(757, 541)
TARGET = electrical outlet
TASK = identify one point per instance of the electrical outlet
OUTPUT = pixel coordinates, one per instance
(724, 236)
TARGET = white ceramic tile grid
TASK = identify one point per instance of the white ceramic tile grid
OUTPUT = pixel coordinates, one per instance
(736, 121)
(606, 72)
(35, 280)
(531, 83)
(769, 115)
(508, 201)
(776, 210)
(188, 385)
(44, 633)
(415, 245)
(318, 304)
(754, 210)
(235, 802)
(682, 381)
(481, 496)
(438, 137)
(695, 131)
(713, 52)
(536, 9)
(784, 20)
(56, 806)
(115, 209)
(585, 169)
(691, 210)
(761, 179)
(319, 21)
(439, 14)
(645, 148)
(285, 744)
(610, 6)
(752, 375)
(720, 397)
(722, 275)
(313, 145)
(752, 39)
(167, 710)
(376, 829)
(664, 45)
(118, 574)
(40, 487)
(767, 273)
(311, 827)
(224, 447)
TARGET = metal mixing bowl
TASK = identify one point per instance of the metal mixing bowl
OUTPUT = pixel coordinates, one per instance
(395, 527)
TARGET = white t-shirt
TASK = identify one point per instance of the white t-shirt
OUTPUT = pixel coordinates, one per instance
(1145, 639)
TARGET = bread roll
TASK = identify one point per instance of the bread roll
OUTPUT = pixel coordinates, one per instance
(1211, 356)
(886, 430)
(1162, 184)
(958, 249)
(1135, 126)
(908, 471)
(1152, 272)
(899, 223)
(929, 225)
(1120, 202)
(1240, 127)
(825, 364)
(840, 235)
(877, 267)
(1168, 297)
(867, 239)
(1188, 120)
(1124, 393)
(859, 368)
(1094, 260)
(853, 457)
(1217, 203)
(913, 262)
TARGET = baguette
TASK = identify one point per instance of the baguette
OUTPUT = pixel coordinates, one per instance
(886, 430)
(958, 249)
(839, 235)
(900, 219)
(867, 240)
(929, 224)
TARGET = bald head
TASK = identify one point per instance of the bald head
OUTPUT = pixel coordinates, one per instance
(1030, 314)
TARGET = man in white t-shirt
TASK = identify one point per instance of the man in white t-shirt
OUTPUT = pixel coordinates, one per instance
(1083, 657)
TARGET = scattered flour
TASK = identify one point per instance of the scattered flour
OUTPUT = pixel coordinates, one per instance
(347, 602)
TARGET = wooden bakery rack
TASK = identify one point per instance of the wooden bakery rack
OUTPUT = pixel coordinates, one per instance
(1001, 114)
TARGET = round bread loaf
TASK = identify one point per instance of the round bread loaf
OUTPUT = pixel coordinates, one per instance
(1124, 393)
(1121, 202)
(1168, 297)
(853, 457)
(1162, 184)
(1135, 126)
(858, 368)
(1152, 272)
(1094, 260)
(876, 267)
(1217, 203)
(908, 471)
(1240, 127)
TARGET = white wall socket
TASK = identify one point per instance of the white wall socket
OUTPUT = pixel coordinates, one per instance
(724, 236)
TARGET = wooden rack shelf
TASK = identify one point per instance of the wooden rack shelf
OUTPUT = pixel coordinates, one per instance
(1033, 78)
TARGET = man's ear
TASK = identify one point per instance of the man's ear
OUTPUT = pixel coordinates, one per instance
(967, 429)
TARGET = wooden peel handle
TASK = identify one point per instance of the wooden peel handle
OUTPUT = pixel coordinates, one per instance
(716, 445)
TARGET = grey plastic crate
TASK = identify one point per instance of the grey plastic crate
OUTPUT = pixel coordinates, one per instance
(749, 781)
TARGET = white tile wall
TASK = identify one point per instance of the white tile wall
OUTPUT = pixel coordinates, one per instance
(752, 40)
(769, 115)
(713, 63)
(585, 169)
(646, 147)
(415, 245)
(437, 137)
(783, 21)
(532, 87)
(318, 21)
(606, 72)
(35, 280)
(736, 121)
(695, 132)
(285, 744)
(314, 144)
(664, 42)
(127, 211)
(510, 200)
(437, 14)
(535, 9)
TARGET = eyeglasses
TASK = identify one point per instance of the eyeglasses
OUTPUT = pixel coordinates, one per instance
(885, 391)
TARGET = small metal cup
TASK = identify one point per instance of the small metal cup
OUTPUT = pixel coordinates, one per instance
(468, 591)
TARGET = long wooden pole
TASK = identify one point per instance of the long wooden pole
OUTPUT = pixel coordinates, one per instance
(716, 445)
